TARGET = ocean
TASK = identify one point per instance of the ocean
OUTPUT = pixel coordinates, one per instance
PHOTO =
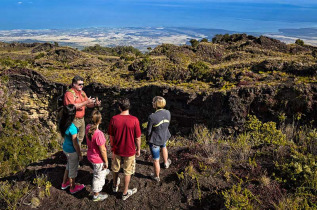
(238, 16)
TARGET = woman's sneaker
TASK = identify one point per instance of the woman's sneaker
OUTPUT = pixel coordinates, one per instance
(65, 186)
(100, 197)
(77, 188)
(129, 193)
(116, 188)
(167, 165)
(106, 171)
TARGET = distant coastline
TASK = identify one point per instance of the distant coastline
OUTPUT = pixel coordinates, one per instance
(140, 37)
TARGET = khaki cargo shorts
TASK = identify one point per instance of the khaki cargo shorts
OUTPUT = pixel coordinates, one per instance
(80, 124)
(128, 164)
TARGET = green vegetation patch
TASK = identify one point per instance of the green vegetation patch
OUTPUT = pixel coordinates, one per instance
(23, 140)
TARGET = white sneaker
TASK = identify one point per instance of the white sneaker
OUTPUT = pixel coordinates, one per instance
(116, 188)
(106, 171)
(129, 193)
(100, 197)
(167, 165)
(155, 178)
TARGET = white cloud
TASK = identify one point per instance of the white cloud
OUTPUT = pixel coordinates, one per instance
(20, 2)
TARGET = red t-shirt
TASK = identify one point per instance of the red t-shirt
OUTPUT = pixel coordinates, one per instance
(98, 139)
(125, 129)
(78, 97)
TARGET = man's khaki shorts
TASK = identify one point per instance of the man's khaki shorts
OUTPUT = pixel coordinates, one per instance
(80, 124)
(128, 164)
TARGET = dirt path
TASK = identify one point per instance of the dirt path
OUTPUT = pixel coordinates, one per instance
(150, 195)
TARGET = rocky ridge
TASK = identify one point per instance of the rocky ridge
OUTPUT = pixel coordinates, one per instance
(220, 109)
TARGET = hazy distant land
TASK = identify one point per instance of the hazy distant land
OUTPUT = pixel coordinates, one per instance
(141, 37)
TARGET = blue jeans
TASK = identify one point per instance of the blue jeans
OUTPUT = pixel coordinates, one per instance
(155, 150)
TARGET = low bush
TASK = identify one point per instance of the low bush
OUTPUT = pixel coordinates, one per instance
(199, 71)
(42, 182)
(11, 194)
(264, 133)
(299, 42)
(114, 51)
(239, 198)
(21, 137)
(297, 170)
(10, 63)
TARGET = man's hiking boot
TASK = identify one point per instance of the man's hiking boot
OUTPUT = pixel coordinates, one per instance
(167, 165)
(100, 197)
(115, 188)
(129, 193)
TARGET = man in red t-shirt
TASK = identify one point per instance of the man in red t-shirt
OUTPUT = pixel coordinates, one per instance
(125, 139)
(75, 95)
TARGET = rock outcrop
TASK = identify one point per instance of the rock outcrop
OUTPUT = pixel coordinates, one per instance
(222, 109)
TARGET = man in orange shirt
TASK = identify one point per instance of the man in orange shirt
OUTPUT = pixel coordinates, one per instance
(75, 95)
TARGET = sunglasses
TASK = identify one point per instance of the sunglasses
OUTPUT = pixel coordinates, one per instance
(81, 84)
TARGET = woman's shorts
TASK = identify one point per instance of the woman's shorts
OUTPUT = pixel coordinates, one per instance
(155, 150)
(72, 164)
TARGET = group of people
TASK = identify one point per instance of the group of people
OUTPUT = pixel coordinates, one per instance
(125, 141)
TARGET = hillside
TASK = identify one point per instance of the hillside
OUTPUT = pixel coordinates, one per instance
(243, 122)
(227, 62)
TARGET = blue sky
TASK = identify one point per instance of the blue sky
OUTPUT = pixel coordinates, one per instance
(242, 15)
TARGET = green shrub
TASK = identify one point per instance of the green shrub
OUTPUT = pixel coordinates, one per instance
(306, 139)
(18, 149)
(218, 38)
(40, 55)
(194, 43)
(241, 147)
(10, 63)
(143, 142)
(238, 198)
(127, 57)
(156, 69)
(199, 70)
(20, 137)
(41, 182)
(114, 51)
(12, 193)
(264, 133)
(292, 203)
(201, 134)
(190, 174)
(298, 170)
(299, 42)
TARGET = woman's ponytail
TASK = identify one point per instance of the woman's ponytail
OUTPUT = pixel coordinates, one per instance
(96, 120)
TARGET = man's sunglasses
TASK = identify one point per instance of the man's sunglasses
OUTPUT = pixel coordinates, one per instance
(81, 84)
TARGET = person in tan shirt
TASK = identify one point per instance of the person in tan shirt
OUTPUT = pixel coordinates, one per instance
(75, 95)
